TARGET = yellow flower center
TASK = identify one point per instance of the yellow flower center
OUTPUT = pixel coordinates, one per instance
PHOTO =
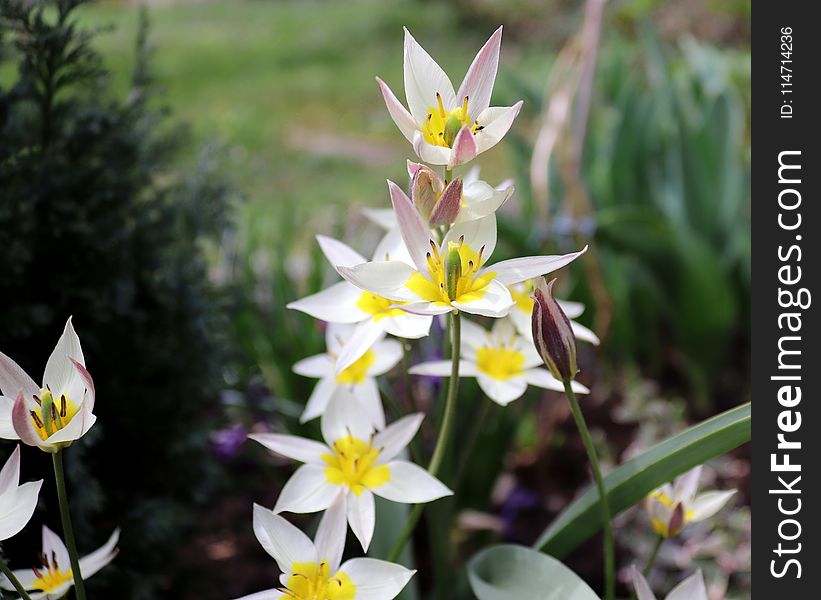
(314, 581)
(357, 372)
(500, 362)
(663, 528)
(378, 306)
(441, 126)
(523, 296)
(468, 285)
(52, 577)
(52, 414)
(353, 463)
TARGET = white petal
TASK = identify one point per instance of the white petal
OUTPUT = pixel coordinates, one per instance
(336, 304)
(643, 591)
(571, 309)
(522, 320)
(415, 233)
(521, 269)
(363, 337)
(385, 278)
(392, 247)
(543, 379)
(75, 429)
(685, 486)
(272, 594)
(319, 399)
(584, 334)
(17, 508)
(479, 80)
(369, 402)
(330, 536)
(496, 122)
(344, 417)
(10, 474)
(495, 302)
(384, 217)
(388, 354)
(60, 372)
(335, 336)
(306, 491)
(317, 366)
(90, 564)
(423, 80)
(13, 379)
(300, 449)
(478, 233)
(376, 579)
(22, 421)
(411, 484)
(426, 309)
(339, 253)
(397, 436)
(52, 544)
(285, 543)
(442, 368)
(362, 517)
(400, 115)
(26, 578)
(709, 503)
(502, 391)
(473, 336)
(435, 155)
(7, 431)
(407, 325)
(692, 588)
(481, 200)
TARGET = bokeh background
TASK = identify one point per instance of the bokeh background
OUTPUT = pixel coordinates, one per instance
(164, 170)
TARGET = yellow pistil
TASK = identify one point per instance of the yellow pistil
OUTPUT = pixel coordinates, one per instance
(500, 362)
(467, 286)
(314, 581)
(441, 126)
(358, 371)
(51, 414)
(378, 306)
(523, 296)
(353, 463)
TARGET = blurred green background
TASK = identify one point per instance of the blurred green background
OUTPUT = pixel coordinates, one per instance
(252, 125)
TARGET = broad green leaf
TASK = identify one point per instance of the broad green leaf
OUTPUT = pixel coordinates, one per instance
(636, 478)
(510, 572)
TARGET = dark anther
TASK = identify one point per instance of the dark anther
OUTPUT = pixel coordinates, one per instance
(63, 405)
(37, 399)
(36, 419)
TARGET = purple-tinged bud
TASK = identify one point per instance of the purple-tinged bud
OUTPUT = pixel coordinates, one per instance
(447, 209)
(426, 187)
(553, 334)
(676, 523)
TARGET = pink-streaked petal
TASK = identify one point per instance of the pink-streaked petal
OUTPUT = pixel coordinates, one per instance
(424, 78)
(331, 533)
(643, 591)
(13, 379)
(363, 337)
(478, 82)
(23, 423)
(400, 115)
(336, 304)
(307, 491)
(386, 279)
(85, 391)
(477, 234)
(442, 368)
(447, 208)
(397, 436)
(495, 302)
(282, 541)
(362, 516)
(300, 449)
(411, 484)
(516, 270)
(495, 123)
(464, 148)
(435, 155)
(415, 233)
(338, 253)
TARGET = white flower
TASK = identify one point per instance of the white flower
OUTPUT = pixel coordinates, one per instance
(311, 570)
(503, 363)
(55, 414)
(692, 588)
(345, 303)
(446, 127)
(357, 381)
(356, 462)
(521, 314)
(672, 507)
(451, 275)
(53, 578)
(17, 502)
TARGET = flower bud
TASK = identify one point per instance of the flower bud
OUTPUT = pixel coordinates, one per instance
(447, 208)
(453, 270)
(553, 334)
(425, 189)
(677, 522)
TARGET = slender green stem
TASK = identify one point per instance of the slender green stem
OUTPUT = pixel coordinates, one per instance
(444, 434)
(473, 438)
(609, 569)
(14, 581)
(68, 530)
(652, 560)
(448, 175)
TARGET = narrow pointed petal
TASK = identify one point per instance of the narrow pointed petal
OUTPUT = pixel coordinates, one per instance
(495, 302)
(59, 369)
(376, 579)
(7, 431)
(643, 591)
(368, 400)
(384, 217)
(686, 485)
(52, 544)
(16, 515)
(400, 115)
(478, 82)
(319, 399)
(692, 588)
(285, 543)
(344, 417)
(330, 536)
(10, 474)
(413, 229)
(709, 503)
(92, 563)
(435, 155)
(319, 365)
(495, 123)
(388, 354)
(407, 326)
(477, 234)
(300, 449)
(502, 391)
(516, 270)
(397, 436)
(424, 78)
(441, 368)
(543, 379)
(447, 209)
(386, 279)
(338, 253)
(465, 148)
(336, 304)
(306, 491)
(13, 379)
(584, 334)
(411, 484)
(362, 516)
(481, 200)
(392, 247)
(363, 337)
(81, 386)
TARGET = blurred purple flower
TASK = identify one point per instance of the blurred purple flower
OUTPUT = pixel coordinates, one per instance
(520, 499)
(226, 443)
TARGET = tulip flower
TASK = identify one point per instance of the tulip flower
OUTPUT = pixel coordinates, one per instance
(452, 275)
(503, 362)
(356, 381)
(672, 507)
(356, 461)
(311, 570)
(53, 578)
(345, 303)
(17, 502)
(446, 127)
(55, 414)
(692, 588)
(521, 314)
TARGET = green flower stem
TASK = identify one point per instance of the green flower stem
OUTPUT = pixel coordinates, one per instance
(448, 175)
(68, 530)
(609, 569)
(14, 581)
(444, 434)
(652, 560)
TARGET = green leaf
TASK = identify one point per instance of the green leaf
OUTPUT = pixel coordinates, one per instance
(510, 572)
(636, 478)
